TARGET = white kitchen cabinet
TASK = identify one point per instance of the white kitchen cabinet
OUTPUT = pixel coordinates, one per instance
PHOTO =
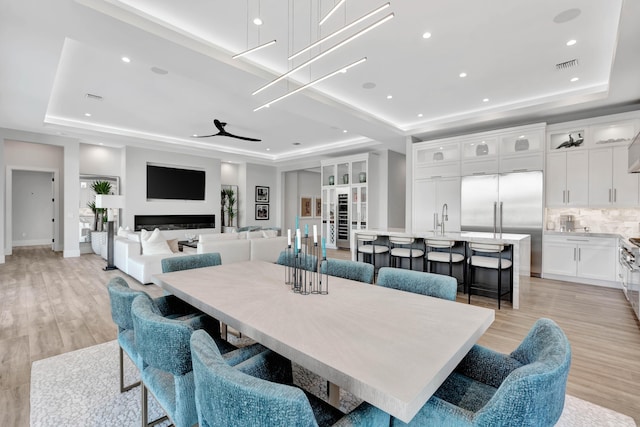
(429, 197)
(609, 182)
(358, 213)
(567, 180)
(580, 259)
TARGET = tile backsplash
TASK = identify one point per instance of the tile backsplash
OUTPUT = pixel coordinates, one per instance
(623, 221)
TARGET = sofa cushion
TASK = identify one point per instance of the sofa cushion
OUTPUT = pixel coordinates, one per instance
(154, 243)
(269, 233)
(216, 237)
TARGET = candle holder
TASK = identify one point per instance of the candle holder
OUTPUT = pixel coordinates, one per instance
(299, 272)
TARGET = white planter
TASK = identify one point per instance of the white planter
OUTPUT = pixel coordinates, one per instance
(98, 239)
(228, 229)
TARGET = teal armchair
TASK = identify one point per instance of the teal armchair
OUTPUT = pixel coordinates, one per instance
(254, 393)
(524, 388)
(430, 284)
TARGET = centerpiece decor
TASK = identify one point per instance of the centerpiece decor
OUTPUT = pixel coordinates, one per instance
(303, 266)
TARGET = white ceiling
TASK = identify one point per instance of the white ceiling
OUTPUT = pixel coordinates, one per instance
(55, 52)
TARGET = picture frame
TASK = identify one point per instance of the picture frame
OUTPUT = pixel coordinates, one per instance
(318, 206)
(262, 212)
(262, 194)
(306, 207)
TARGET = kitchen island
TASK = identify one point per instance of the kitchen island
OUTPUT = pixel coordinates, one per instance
(521, 248)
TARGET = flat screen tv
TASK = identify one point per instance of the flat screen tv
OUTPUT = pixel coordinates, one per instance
(175, 183)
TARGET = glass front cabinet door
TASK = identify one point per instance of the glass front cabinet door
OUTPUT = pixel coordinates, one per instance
(358, 207)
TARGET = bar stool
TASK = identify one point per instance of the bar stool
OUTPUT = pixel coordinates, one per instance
(369, 247)
(442, 251)
(403, 247)
(490, 262)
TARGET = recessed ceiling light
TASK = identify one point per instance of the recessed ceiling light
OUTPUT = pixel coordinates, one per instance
(420, 115)
(521, 136)
(344, 131)
(268, 149)
(257, 21)
(572, 42)
(463, 74)
(575, 79)
(485, 100)
(126, 59)
(195, 135)
(389, 96)
(101, 143)
(87, 114)
(426, 35)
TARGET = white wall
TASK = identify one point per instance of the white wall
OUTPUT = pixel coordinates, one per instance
(100, 160)
(300, 184)
(32, 208)
(136, 185)
(397, 195)
(229, 173)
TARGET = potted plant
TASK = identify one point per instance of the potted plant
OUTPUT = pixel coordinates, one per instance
(228, 208)
(99, 236)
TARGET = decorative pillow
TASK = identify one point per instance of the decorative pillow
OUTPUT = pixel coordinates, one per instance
(254, 234)
(216, 237)
(134, 236)
(269, 233)
(173, 245)
(154, 243)
(123, 232)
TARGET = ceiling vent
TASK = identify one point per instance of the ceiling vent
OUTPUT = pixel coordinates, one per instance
(567, 64)
(93, 97)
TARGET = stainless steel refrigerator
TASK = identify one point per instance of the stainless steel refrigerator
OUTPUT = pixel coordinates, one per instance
(505, 203)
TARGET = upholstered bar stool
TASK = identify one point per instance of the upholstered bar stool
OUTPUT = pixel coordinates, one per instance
(492, 256)
(365, 245)
(442, 251)
(404, 247)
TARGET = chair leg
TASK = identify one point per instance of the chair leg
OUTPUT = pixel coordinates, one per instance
(499, 287)
(145, 410)
(124, 388)
(470, 276)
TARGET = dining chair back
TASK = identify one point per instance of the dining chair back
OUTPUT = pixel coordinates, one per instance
(188, 262)
(347, 269)
(256, 393)
(434, 285)
(305, 261)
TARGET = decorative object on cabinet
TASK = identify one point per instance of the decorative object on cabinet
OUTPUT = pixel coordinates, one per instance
(318, 205)
(362, 176)
(345, 178)
(262, 212)
(262, 194)
(572, 142)
(332, 180)
(521, 145)
(482, 150)
(305, 207)
(438, 155)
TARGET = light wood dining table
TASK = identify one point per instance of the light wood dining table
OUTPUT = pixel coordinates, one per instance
(390, 348)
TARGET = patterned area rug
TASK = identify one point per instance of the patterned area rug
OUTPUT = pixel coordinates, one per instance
(80, 388)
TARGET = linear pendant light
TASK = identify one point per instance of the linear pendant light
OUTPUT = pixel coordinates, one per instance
(253, 49)
(345, 28)
(313, 83)
(333, 9)
(326, 52)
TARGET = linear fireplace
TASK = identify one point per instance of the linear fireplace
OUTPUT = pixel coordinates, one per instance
(173, 222)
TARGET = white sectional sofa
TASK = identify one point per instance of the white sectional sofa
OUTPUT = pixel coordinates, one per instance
(233, 247)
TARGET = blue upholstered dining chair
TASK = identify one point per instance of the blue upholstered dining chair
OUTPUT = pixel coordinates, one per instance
(165, 351)
(253, 394)
(122, 296)
(524, 388)
(434, 285)
(308, 262)
(353, 270)
(188, 262)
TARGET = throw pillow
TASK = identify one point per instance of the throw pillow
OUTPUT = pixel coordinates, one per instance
(154, 243)
(269, 233)
(123, 232)
(173, 245)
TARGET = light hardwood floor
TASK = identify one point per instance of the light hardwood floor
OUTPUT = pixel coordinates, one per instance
(51, 305)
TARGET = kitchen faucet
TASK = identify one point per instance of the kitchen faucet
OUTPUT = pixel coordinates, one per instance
(445, 217)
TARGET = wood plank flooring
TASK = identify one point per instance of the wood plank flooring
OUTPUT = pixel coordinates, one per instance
(51, 305)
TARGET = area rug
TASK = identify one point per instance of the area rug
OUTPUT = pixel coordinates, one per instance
(80, 388)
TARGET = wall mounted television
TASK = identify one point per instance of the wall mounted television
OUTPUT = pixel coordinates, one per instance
(171, 183)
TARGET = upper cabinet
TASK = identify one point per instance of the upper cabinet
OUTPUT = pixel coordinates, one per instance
(433, 160)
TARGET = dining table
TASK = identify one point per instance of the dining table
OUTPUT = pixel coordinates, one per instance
(390, 348)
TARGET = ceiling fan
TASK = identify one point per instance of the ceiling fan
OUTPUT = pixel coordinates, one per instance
(221, 132)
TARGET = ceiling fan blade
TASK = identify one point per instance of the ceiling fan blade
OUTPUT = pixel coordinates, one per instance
(203, 136)
(243, 137)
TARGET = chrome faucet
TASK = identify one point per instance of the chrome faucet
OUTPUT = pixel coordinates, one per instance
(445, 217)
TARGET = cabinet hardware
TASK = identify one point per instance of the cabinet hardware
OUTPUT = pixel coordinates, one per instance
(579, 254)
(568, 196)
(574, 254)
(609, 195)
(615, 194)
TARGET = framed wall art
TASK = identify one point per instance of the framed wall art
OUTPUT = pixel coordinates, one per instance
(306, 208)
(262, 212)
(262, 194)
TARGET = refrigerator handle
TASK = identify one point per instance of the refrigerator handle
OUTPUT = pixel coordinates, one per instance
(500, 219)
(495, 219)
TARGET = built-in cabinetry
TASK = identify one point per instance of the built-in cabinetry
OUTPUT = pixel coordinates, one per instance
(439, 165)
(587, 164)
(580, 258)
(346, 199)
